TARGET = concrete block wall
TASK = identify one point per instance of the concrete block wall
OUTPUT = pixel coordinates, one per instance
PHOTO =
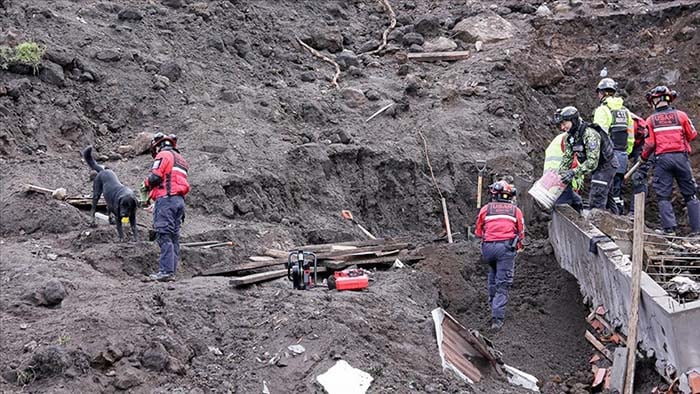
(668, 330)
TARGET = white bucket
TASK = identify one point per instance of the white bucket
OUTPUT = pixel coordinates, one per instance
(547, 189)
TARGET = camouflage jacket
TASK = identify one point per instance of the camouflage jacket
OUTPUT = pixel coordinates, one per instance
(587, 150)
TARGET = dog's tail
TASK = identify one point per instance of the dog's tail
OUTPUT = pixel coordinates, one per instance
(87, 155)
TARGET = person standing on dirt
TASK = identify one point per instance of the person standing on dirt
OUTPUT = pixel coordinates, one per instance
(612, 116)
(640, 177)
(501, 227)
(594, 151)
(670, 134)
(168, 186)
(552, 160)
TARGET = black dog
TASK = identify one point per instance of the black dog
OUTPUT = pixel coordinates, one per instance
(121, 201)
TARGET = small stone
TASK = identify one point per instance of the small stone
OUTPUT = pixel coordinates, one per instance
(543, 11)
(17, 87)
(308, 76)
(404, 69)
(281, 363)
(155, 358)
(413, 38)
(215, 350)
(229, 96)
(353, 97)
(575, 3)
(478, 46)
(347, 58)
(52, 256)
(127, 378)
(53, 292)
(108, 55)
(52, 73)
(30, 346)
(296, 349)
(372, 95)
(345, 137)
(173, 3)
(428, 25)
(415, 48)
(562, 8)
(368, 46)
(129, 15)
(23, 326)
(160, 82)
(171, 70)
(440, 44)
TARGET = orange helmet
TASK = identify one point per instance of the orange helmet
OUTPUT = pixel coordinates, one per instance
(160, 139)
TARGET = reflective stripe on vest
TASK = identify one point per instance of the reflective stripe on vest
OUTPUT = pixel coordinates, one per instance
(619, 133)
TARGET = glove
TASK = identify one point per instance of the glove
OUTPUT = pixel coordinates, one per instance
(567, 176)
(143, 195)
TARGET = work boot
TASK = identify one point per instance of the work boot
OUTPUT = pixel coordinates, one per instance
(162, 277)
(694, 215)
(496, 325)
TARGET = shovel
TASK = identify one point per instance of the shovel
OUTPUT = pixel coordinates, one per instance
(348, 215)
(481, 166)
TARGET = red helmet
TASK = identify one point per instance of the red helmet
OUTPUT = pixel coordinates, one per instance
(662, 92)
(160, 139)
(502, 190)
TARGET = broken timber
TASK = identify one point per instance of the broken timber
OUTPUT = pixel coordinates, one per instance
(261, 277)
(598, 346)
(437, 56)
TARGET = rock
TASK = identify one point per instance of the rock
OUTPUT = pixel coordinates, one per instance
(409, 5)
(160, 82)
(486, 27)
(345, 137)
(230, 96)
(51, 294)
(428, 26)
(355, 72)
(312, 112)
(561, 8)
(241, 46)
(671, 77)
(331, 41)
(308, 76)
(52, 256)
(141, 143)
(575, 3)
(368, 46)
(10, 375)
(50, 361)
(372, 95)
(108, 55)
(353, 97)
(281, 363)
(440, 44)
(415, 48)
(503, 10)
(296, 349)
(173, 3)
(347, 58)
(171, 70)
(17, 87)
(52, 73)
(543, 74)
(404, 69)
(543, 11)
(598, 5)
(216, 43)
(478, 46)
(413, 38)
(30, 346)
(155, 358)
(685, 34)
(129, 15)
(128, 377)
(176, 366)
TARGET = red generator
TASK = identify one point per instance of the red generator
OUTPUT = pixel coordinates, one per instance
(348, 280)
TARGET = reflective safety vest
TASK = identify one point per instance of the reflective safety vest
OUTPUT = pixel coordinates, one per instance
(553, 156)
(620, 133)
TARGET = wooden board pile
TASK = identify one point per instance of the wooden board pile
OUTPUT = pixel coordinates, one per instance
(331, 257)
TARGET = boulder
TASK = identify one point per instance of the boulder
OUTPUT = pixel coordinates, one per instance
(128, 377)
(440, 44)
(52, 73)
(428, 26)
(541, 74)
(328, 40)
(486, 27)
(54, 292)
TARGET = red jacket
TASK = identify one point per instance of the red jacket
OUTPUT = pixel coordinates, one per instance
(500, 221)
(168, 175)
(670, 130)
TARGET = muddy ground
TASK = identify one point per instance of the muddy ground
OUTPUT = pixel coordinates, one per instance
(275, 153)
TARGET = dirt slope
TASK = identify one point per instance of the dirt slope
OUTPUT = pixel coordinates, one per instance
(275, 152)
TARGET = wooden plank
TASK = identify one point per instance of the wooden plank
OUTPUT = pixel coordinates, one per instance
(340, 264)
(261, 277)
(599, 346)
(341, 254)
(280, 254)
(437, 56)
(328, 247)
(617, 376)
(84, 202)
(233, 269)
(261, 258)
(200, 243)
(637, 257)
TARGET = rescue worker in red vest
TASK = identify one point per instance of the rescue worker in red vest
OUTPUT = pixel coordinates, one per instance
(501, 227)
(670, 134)
(612, 116)
(594, 151)
(167, 185)
(639, 178)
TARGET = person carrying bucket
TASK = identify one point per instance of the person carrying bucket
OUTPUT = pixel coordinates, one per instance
(552, 160)
(594, 150)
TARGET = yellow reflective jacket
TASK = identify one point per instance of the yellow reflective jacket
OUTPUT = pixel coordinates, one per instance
(616, 120)
(553, 156)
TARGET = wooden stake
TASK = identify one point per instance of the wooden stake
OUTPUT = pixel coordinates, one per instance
(479, 185)
(637, 256)
(447, 220)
